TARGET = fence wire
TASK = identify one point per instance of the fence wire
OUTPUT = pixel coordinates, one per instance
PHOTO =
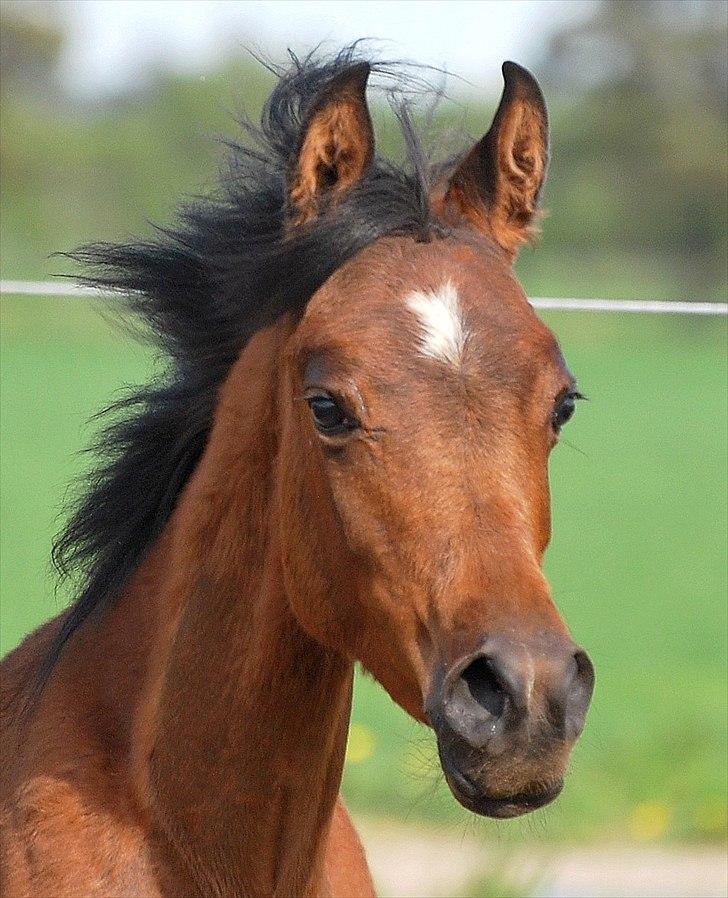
(643, 306)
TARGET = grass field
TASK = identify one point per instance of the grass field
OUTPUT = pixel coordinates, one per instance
(637, 562)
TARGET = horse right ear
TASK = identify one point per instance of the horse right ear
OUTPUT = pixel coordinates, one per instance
(336, 145)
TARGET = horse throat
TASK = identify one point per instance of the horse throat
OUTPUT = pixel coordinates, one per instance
(247, 725)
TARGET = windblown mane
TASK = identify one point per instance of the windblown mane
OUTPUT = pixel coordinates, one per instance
(226, 269)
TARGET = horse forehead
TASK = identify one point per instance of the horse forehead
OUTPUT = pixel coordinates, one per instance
(460, 310)
(430, 300)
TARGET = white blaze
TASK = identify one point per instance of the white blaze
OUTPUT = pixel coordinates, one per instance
(443, 332)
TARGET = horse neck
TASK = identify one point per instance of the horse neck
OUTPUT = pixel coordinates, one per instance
(244, 732)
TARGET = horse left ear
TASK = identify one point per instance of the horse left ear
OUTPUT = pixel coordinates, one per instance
(497, 185)
(336, 145)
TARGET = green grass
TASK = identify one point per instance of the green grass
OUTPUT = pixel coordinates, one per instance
(637, 563)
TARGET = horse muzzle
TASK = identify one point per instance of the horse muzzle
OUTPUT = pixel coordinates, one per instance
(506, 717)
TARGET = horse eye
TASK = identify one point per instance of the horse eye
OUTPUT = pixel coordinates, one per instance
(329, 417)
(564, 409)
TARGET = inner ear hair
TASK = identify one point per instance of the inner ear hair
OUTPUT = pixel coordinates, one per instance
(522, 161)
(498, 183)
(336, 147)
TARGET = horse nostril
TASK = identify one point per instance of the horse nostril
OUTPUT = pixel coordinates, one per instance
(516, 694)
(584, 669)
(579, 694)
(582, 684)
(485, 686)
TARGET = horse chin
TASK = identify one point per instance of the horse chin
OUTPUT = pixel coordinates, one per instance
(478, 800)
(481, 794)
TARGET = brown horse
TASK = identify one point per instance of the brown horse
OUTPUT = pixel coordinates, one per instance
(347, 461)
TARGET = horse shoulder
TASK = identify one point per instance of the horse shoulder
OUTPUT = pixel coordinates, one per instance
(67, 828)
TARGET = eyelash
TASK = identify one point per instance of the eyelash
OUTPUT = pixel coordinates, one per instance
(564, 408)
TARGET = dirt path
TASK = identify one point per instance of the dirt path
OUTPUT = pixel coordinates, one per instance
(412, 862)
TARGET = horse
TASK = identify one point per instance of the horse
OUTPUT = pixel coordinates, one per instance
(345, 461)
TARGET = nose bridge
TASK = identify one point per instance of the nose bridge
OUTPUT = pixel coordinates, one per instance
(508, 492)
(485, 575)
(502, 589)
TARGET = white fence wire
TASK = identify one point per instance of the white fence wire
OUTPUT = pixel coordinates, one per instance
(659, 307)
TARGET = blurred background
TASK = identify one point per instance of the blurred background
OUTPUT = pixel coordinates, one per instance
(110, 112)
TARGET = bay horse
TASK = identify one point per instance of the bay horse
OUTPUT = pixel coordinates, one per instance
(345, 461)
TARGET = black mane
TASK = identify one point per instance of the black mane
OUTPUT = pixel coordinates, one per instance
(226, 269)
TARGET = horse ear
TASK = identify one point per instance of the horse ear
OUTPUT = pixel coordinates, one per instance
(336, 145)
(497, 185)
